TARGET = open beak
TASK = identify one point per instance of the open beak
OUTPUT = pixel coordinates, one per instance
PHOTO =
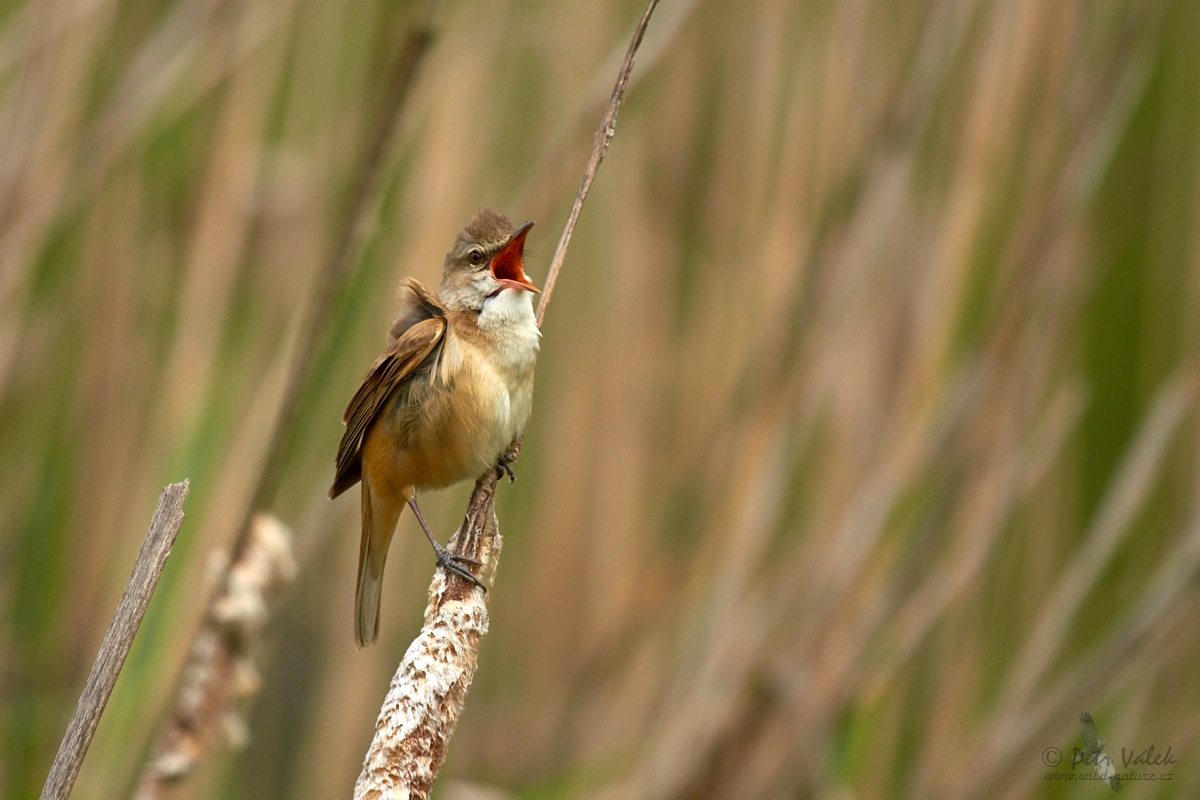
(506, 265)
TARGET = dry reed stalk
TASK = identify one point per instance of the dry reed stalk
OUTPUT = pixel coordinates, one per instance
(219, 669)
(160, 538)
(430, 686)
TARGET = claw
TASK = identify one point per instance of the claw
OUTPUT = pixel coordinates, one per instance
(502, 469)
(450, 562)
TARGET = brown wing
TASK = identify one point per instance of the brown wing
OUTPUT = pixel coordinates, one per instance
(389, 372)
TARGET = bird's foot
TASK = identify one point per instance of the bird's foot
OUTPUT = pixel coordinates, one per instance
(452, 562)
(503, 467)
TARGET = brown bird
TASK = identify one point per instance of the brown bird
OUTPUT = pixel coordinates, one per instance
(445, 401)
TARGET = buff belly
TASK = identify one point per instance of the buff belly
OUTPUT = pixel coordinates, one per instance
(463, 426)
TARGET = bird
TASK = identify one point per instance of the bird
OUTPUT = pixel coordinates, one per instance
(1093, 753)
(445, 401)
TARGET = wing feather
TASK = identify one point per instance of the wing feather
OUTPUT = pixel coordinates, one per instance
(402, 359)
(1088, 732)
(416, 303)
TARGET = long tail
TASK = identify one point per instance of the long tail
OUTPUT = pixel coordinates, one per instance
(379, 518)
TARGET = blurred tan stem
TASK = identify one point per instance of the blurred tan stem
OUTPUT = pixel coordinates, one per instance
(220, 670)
(353, 229)
(160, 538)
(217, 661)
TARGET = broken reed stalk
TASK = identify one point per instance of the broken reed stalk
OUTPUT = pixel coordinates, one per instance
(160, 538)
(219, 668)
(430, 686)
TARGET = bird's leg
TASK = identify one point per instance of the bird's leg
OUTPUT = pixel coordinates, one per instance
(503, 468)
(451, 562)
(504, 462)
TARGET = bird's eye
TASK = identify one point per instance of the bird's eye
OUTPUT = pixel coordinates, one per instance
(476, 257)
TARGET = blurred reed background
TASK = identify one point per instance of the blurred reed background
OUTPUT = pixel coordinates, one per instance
(863, 454)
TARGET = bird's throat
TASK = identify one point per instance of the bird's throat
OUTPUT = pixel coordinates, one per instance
(509, 328)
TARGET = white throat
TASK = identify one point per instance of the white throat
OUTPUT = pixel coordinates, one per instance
(508, 320)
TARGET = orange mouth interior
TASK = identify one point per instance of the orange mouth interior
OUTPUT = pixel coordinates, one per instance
(507, 266)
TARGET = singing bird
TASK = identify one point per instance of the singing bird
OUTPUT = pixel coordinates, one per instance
(445, 400)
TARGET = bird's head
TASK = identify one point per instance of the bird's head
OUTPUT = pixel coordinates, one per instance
(486, 260)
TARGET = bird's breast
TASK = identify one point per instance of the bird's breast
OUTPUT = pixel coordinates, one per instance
(508, 343)
(477, 401)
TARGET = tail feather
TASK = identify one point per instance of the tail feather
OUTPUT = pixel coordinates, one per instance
(379, 519)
